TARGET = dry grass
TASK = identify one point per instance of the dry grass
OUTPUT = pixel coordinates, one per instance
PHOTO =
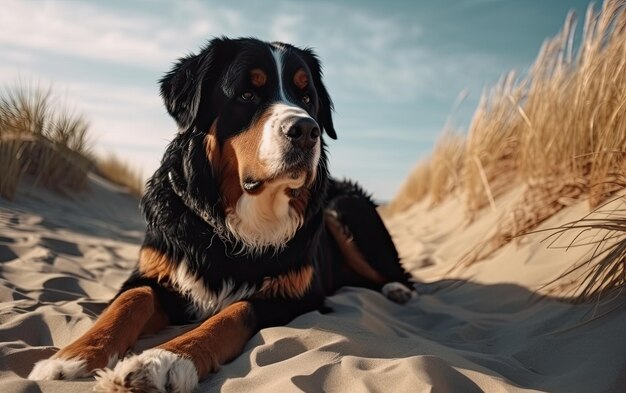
(445, 166)
(492, 145)
(12, 152)
(49, 144)
(32, 110)
(562, 126)
(121, 173)
(560, 130)
(570, 134)
(603, 273)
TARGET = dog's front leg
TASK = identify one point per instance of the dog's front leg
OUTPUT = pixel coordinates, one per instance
(179, 364)
(132, 313)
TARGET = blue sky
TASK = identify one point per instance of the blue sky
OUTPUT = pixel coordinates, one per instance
(394, 69)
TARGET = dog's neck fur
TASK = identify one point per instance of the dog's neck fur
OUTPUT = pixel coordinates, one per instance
(264, 221)
(257, 224)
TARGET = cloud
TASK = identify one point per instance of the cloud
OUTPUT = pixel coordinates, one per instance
(90, 30)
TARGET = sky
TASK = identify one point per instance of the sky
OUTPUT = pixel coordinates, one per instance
(394, 69)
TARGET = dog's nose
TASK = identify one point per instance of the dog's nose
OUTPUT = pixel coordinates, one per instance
(304, 133)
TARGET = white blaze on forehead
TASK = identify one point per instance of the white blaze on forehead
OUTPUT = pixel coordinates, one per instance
(278, 52)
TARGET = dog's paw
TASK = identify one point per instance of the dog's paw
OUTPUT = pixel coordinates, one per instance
(398, 293)
(55, 369)
(155, 370)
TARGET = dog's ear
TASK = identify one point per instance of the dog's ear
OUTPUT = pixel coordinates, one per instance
(192, 80)
(325, 116)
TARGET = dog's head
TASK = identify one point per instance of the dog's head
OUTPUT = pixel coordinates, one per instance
(261, 110)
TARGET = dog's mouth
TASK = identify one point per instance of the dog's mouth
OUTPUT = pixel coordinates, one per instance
(297, 171)
(251, 186)
(293, 182)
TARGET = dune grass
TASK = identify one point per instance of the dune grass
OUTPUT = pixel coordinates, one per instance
(602, 273)
(560, 130)
(570, 133)
(37, 138)
(40, 138)
(492, 145)
(121, 173)
(446, 164)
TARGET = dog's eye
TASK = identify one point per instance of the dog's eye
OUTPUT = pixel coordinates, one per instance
(247, 96)
(306, 99)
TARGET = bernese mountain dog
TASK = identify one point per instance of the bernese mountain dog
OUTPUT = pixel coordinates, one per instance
(245, 228)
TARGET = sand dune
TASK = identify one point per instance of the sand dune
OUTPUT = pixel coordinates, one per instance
(480, 329)
(61, 259)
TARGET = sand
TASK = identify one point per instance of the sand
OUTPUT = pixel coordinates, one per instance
(479, 328)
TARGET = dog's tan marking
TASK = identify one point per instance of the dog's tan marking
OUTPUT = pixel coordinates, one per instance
(154, 264)
(238, 159)
(294, 284)
(216, 341)
(258, 77)
(228, 179)
(301, 79)
(225, 168)
(353, 257)
(133, 312)
(212, 147)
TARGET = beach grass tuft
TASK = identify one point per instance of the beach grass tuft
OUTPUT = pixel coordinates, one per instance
(559, 130)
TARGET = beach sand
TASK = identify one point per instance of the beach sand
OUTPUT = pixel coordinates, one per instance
(475, 328)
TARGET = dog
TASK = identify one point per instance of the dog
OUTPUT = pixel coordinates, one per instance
(245, 227)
